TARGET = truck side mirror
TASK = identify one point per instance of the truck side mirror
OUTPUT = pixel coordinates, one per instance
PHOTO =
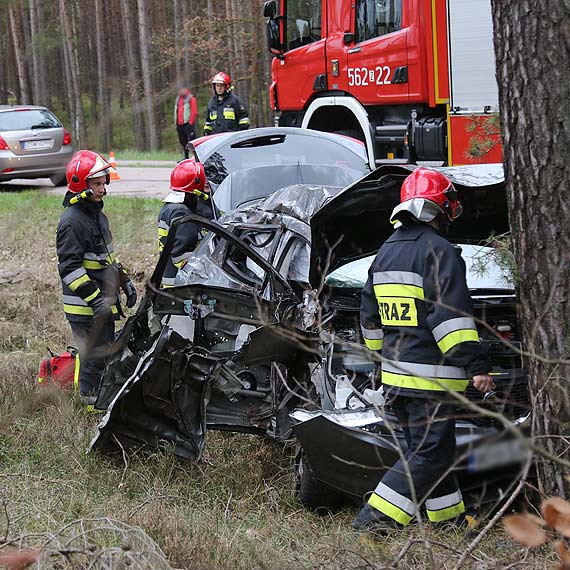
(270, 9)
(274, 36)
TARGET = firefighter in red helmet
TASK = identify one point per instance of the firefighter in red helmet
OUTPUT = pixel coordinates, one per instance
(226, 112)
(188, 195)
(416, 309)
(90, 274)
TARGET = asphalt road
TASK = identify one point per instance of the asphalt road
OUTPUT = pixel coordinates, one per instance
(136, 181)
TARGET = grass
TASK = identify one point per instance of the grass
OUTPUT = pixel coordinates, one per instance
(150, 155)
(235, 510)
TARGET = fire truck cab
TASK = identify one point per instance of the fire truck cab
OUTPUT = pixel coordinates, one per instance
(413, 79)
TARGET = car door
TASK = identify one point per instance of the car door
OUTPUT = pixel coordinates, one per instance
(220, 353)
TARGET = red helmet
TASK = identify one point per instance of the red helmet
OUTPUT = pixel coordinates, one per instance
(187, 176)
(425, 194)
(85, 164)
(223, 79)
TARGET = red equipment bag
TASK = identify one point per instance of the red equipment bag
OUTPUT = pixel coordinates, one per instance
(60, 369)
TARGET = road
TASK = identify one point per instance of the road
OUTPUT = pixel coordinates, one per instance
(140, 181)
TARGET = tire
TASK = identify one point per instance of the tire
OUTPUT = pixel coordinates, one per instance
(58, 180)
(313, 494)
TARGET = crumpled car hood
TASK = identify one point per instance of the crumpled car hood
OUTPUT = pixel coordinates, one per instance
(356, 222)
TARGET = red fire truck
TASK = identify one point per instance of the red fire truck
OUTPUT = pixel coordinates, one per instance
(413, 79)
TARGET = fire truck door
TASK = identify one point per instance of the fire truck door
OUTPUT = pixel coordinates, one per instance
(378, 59)
(304, 53)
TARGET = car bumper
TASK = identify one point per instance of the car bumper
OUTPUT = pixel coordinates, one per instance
(34, 166)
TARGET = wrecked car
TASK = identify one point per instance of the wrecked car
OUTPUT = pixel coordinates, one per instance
(261, 335)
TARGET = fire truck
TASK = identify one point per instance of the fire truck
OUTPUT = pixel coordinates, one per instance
(413, 79)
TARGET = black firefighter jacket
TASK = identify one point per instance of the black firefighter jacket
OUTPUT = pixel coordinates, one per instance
(87, 264)
(416, 308)
(226, 115)
(187, 235)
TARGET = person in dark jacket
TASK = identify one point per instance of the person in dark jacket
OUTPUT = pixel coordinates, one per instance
(188, 196)
(225, 112)
(185, 113)
(416, 309)
(90, 274)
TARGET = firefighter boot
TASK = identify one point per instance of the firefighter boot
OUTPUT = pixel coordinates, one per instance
(370, 519)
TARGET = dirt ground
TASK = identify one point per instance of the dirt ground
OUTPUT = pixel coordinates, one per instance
(235, 510)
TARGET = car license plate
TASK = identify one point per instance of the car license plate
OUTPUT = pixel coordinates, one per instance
(495, 455)
(37, 145)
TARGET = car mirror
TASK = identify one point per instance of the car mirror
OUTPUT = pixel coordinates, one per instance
(270, 9)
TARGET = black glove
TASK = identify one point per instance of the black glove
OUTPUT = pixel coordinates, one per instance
(101, 310)
(131, 293)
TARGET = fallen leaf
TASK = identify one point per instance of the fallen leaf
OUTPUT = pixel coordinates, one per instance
(556, 512)
(564, 554)
(524, 530)
(19, 560)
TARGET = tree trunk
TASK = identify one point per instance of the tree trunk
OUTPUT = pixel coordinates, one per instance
(73, 59)
(187, 48)
(532, 45)
(19, 54)
(3, 66)
(146, 73)
(133, 66)
(36, 68)
(102, 79)
(177, 40)
(210, 10)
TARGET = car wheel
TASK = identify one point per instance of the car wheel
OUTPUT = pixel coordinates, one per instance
(58, 180)
(313, 494)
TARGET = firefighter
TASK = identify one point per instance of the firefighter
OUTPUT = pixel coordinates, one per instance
(416, 309)
(90, 274)
(188, 196)
(185, 113)
(225, 112)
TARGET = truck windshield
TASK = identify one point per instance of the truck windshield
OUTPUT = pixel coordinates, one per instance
(303, 19)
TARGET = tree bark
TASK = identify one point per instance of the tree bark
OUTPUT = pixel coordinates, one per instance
(133, 66)
(210, 12)
(186, 48)
(74, 73)
(532, 45)
(102, 80)
(19, 54)
(36, 67)
(146, 73)
(177, 41)
(3, 66)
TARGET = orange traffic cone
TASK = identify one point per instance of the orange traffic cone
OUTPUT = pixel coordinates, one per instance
(113, 163)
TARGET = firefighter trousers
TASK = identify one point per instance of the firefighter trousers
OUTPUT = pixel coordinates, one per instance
(93, 339)
(429, 430)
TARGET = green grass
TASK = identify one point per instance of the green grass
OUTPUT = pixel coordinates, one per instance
(150, 155)
(235, 510)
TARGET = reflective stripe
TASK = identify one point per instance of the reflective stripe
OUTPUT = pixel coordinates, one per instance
(229, 114)
(457, 337)
(76, 372)
(93, 295)
(398, 277)
(95, 256)
(426, 370)
(74, 285)
(392, 504)
(445, 508)
(208, 127)
(244, 121)
(452, 325)
(419, 383)
(80, 310)
(168, 281)
(74, 300)
(372, 334)
(391, 290)
(95, 265)
(444, 501)
(74, 275)
(213, 116)
(373, 344)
